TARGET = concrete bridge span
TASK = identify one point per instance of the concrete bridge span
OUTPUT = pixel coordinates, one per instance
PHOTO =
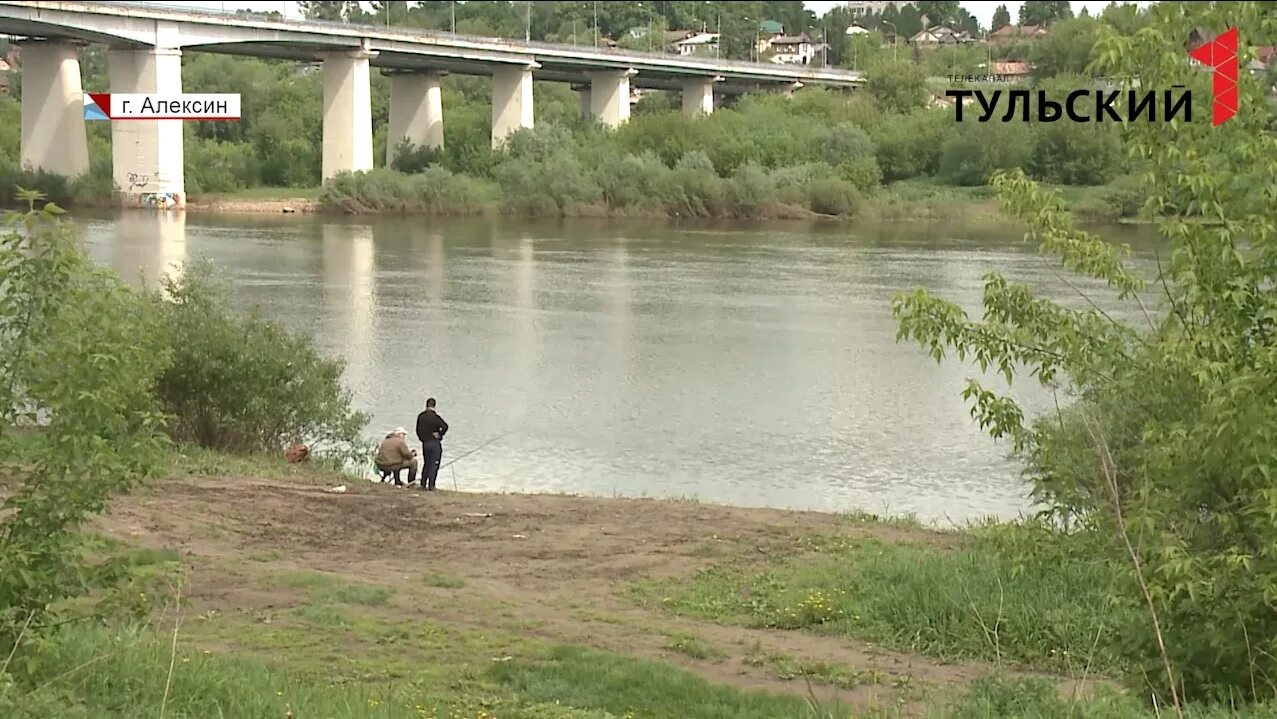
(147, 41)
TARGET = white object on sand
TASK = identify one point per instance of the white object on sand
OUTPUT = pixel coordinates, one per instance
(339, 489)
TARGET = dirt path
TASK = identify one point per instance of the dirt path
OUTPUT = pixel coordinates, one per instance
(552, 567)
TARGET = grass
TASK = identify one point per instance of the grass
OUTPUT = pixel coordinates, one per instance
(443, 581)
(340, 664)
(327, 588)
(787, 667)
(689, 645)
(973, 602)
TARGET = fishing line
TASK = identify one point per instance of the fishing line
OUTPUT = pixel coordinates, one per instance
(450, 462)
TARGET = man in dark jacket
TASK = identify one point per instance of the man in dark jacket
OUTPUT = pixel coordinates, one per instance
(430, 430)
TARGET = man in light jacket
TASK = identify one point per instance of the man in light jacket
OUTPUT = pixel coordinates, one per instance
(394, 456)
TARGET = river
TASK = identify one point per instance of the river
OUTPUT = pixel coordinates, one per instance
(753, 365)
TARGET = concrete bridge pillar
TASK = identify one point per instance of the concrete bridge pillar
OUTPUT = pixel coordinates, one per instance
(416, 112)
(583, 97)
(347, 113)
(53, 136)
(147, 155)
(610, 95)
(511, 101)
(698, 95)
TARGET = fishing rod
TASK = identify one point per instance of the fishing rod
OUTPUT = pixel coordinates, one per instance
(476, 449)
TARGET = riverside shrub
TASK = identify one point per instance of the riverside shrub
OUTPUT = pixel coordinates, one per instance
(82, 353)
(1166, 451)
(239, 383)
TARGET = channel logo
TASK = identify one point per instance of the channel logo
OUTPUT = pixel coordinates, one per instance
(1220, 55)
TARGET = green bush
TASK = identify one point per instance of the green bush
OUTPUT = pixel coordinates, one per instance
(750, 190)
(240, 383)
(977, 150)
(213, 166)
(910, 145)
(54, 188)
(435, 191)
(1125, 196)
(411, 158)
(1068, 153)
(833, 197)
(81, 360)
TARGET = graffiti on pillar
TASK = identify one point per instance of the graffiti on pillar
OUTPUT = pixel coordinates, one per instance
(160, 200)
(136, 181)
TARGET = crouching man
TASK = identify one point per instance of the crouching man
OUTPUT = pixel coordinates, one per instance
(394, 456)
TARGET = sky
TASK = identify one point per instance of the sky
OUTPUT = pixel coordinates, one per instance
(982, 9)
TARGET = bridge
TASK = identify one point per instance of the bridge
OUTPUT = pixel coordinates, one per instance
(146, 43)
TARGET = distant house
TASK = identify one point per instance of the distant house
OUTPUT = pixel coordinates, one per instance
(1018, 32)
(856, 30)
(860, 9)
(5, 67)
(700, 43)
(637, 33)
(770, 28)
(940, 35)
(793, 49)
(1010, 70)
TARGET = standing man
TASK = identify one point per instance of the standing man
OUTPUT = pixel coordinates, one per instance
(430, 430)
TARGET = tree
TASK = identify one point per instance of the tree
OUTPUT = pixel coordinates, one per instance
(909, 23)
(1044, 12)
(1126, 18)
(1067, 49)
(897, 86)
(1001, 18)
(941, 12)
(337, 10)
(864, 50)
(1164, 453)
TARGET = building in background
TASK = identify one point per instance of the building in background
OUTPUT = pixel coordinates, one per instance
(859, 9)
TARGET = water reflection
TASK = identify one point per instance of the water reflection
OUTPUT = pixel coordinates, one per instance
(351, 301)
(152, 245)
(752, 365)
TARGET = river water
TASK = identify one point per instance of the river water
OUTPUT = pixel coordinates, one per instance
(753, 365)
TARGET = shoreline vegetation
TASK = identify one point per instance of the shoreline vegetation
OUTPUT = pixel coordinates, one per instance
(914, 201)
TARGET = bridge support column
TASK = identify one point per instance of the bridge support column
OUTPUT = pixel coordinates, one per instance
(147, 155)
(583, 97)
(347, 113)
(610, 95)
(416, 112)
(53, 135)
(698, 95)
(511, 101)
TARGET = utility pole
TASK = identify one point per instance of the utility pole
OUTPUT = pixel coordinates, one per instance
(718, 31)
(596, 23)
(895, 40)
(453, 8)
(527, 21)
